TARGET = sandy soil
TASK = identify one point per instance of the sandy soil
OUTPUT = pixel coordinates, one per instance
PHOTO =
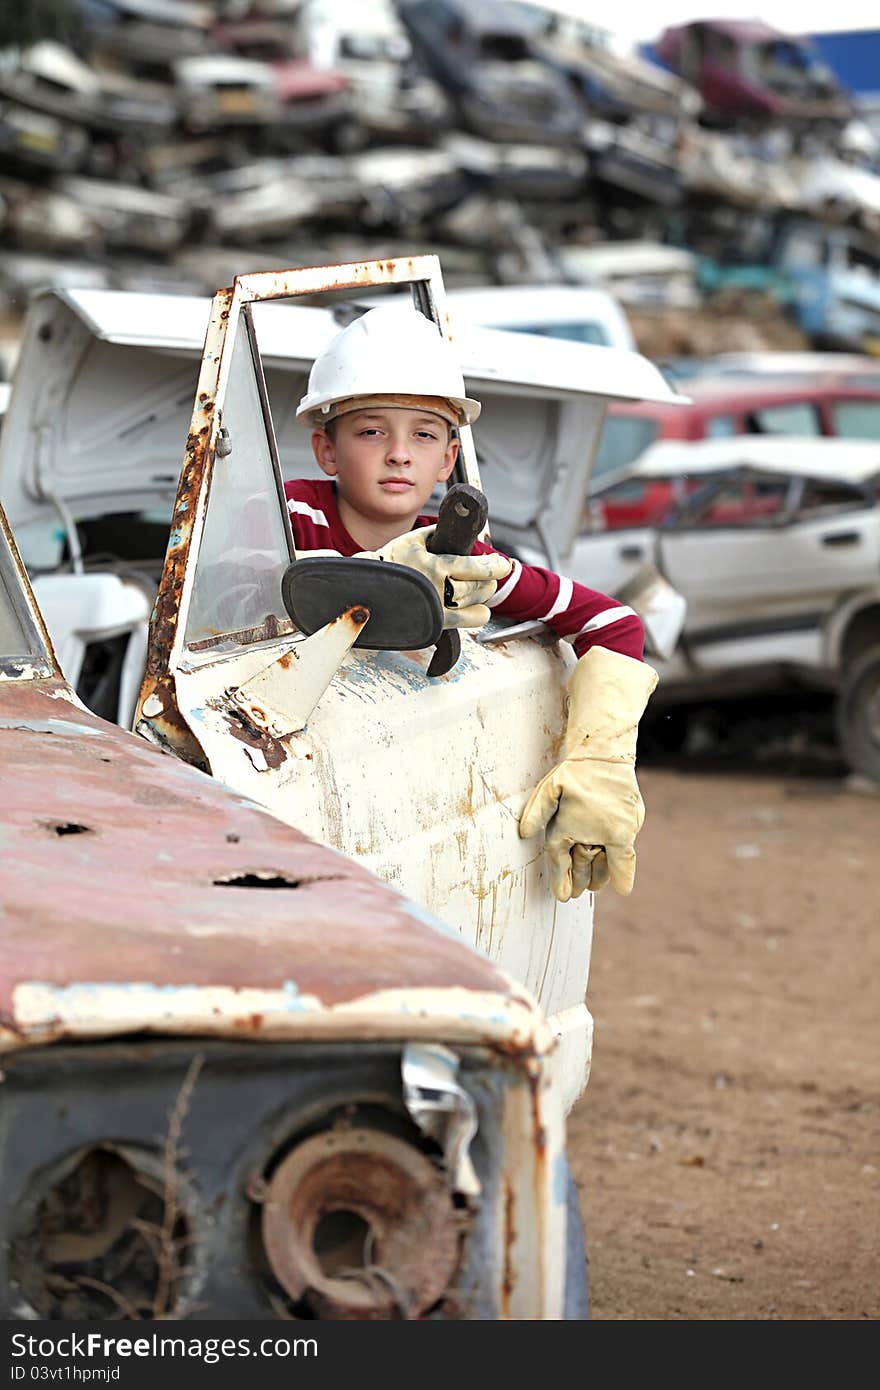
(726, 1148)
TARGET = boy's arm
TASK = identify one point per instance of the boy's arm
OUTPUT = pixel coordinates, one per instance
(583, 616)
(589, 804)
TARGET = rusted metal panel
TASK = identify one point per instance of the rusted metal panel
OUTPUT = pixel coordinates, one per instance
(138, 893)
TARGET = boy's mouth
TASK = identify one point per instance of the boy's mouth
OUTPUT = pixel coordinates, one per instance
(395, 484)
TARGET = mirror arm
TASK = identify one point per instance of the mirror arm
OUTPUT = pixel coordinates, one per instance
(281, 697)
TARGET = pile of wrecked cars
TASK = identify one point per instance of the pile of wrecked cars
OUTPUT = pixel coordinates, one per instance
(320, 1095)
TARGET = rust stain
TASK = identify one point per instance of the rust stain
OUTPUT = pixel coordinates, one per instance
(169, 726)
(508, 1278)
(249, 733)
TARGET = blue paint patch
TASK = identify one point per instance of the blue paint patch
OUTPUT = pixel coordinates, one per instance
(288, 996)
(174, 538)
(51, 726)
(421, 914)
(372, 668)
(560, 1178)
(182, 504)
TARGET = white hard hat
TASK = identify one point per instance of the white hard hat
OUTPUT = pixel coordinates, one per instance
(387, 354)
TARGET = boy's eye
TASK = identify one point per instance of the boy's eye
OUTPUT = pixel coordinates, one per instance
(426, 434)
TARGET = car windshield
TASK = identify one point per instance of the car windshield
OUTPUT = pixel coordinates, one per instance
(623, 439)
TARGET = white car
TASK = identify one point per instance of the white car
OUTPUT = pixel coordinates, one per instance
(774, 542)
(573, 312)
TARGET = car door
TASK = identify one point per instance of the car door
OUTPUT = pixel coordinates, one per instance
(423, 780)
(762, 559)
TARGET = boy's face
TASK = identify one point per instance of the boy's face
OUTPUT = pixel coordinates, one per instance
(386, 461)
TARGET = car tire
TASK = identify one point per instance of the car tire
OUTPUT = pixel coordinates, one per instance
(576, 1304)
(858, 715)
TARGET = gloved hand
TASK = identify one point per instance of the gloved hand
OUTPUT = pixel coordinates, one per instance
(590, 804)
(464, 582)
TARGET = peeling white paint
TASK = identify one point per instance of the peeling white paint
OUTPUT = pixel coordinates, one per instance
(42, 1011)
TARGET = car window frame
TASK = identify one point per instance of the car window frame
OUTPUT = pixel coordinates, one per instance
(681, 517)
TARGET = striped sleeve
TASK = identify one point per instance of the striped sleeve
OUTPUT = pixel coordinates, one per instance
(581, 615)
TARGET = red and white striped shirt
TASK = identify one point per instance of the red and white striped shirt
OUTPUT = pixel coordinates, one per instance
(585, 617)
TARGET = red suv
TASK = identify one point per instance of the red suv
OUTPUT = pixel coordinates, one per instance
(719, 407)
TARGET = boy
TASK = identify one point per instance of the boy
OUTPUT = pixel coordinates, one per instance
(383, 400)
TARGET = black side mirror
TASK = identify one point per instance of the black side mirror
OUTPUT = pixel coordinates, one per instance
(405, 610)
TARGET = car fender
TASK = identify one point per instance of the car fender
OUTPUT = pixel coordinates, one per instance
(840, 620)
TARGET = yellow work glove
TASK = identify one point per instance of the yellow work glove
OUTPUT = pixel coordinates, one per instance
(590, 804)
(464, 582)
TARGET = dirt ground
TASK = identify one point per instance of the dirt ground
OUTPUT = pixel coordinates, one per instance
(726, 1148)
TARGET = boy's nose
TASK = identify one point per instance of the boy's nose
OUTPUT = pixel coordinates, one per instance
(398, 451)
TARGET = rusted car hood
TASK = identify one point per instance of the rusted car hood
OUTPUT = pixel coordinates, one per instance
(129, 902)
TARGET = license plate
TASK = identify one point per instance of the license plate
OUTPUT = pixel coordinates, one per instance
(46, 141)
(236, 103)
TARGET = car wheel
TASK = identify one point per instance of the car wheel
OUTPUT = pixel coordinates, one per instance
(576, 1306)
(858, 714)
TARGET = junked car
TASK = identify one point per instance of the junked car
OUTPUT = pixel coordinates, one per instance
(220, 614)
(642, 273)
(393, 96)
(483, 56)
(749, 70)
(812, 404)
(827, 275)
(219, 90)
(571, 312)
(241, 1077)
(313, 101)
(616, 82)
(775, 545)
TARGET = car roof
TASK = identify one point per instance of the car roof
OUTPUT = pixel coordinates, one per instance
(500, 304)
(847, 460)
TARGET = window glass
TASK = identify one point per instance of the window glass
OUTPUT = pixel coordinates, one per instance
(244, 549)
(857, 419)
(632, 491)
(799, 418)
(824, 495)
(720, 427)
(741, 502)
(623, 438)
(570, 332)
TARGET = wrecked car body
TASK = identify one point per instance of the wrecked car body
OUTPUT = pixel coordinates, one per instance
(53, 80)
(392, 96)
(616, 83)
(31, 139)
(483, 57)
(312, 100)
(775, 545)
(268, 1088)
(749, 69)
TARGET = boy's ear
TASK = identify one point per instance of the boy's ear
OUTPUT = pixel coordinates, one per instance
(325, 452)
(449, 458)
